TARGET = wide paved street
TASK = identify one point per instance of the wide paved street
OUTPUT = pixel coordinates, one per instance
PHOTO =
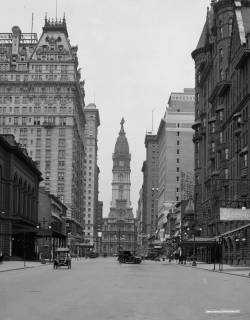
(101, 289)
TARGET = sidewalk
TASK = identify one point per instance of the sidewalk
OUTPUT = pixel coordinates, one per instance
(243, 271)
(16, 265)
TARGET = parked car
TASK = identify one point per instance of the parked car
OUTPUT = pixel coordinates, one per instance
(128, 257)
(93, 255)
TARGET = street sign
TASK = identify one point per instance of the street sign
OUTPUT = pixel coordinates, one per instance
(229, 214)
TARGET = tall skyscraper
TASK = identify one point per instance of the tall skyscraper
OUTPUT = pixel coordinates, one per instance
(91, 172)
(41, 103)
(119, 228)
(150, 185)
(176, 153)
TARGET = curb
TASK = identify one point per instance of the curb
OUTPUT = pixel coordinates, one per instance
(23, 268)
(217, 271)
(6, 270)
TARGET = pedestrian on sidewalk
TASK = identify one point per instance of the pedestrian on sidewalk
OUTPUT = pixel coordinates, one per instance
(176, 256)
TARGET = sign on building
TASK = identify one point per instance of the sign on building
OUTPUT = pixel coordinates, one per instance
(234, 214)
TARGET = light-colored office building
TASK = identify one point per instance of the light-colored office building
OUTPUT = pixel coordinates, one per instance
(91, 172)
(176, 151)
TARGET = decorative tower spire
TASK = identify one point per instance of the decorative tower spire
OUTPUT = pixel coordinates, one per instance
(122, 123)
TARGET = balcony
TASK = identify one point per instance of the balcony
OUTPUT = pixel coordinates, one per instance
(221, 146)
(196, 124)
(243, 55)
(220, 89)
(48, 124)
(220, 107)
(237, 131)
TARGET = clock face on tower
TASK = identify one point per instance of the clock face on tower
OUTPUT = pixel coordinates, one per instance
(121, 163)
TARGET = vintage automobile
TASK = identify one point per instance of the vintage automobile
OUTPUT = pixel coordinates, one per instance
(93, 255)
(62, 258)
(128, 257)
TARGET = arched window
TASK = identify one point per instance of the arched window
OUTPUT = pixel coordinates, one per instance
(29, 197)
(230, 25)
(20, 197)
(25, 199)
(220, 29)
(15, 194)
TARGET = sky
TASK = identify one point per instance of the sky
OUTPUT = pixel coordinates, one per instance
(132, 55)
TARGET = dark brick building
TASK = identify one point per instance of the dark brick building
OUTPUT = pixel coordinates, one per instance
(19, 183)
(222, 175)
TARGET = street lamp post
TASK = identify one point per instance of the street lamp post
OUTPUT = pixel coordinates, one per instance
(99, 236)
(43, 242)
(194, 253)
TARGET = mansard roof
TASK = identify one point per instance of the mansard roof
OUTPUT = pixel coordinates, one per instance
(121, 146)
(56, 25)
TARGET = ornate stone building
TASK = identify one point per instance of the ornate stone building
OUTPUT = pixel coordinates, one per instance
(222, 176)
(41, 103)
(119, 229)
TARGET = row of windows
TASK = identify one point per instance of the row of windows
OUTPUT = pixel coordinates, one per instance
(37, 121)
(36, 89)
(27, 77)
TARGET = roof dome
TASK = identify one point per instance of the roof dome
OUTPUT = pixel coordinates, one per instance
(121, 145)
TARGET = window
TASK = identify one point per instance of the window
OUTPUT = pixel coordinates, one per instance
(220, 29)
(230, 22)
(61, 142)
(221, 54)
(177, 169)
(245, 160)
(61, 154)
(61, 132)
(221, 115)
(178, 151)
(221, 74)
(177, 160)
(226, 154)
(60, 175)
(36, 121)
(47, 165)
(48, 142)
(38, 142)
(226, 173)
(23, 131)
(221, 137)
(213, 147)
(62, 121)
(212, 127)
(61, 164)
